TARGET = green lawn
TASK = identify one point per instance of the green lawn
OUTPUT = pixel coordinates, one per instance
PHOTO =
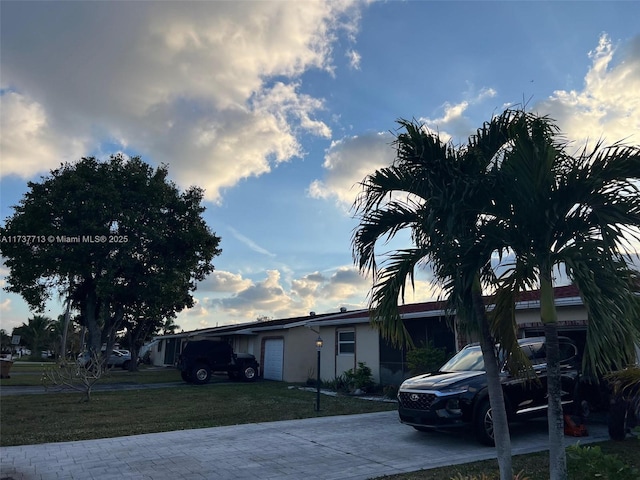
(29, 419)
(535, 466)
(30, 374)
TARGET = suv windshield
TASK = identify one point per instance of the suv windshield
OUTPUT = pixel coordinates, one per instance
(466, 360)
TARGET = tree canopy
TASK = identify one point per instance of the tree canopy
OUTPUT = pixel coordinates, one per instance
(116, 237)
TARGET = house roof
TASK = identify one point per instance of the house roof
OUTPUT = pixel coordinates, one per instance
(564, 295)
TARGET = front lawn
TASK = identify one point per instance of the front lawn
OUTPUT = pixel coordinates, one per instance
(29, 419)
(30, 374)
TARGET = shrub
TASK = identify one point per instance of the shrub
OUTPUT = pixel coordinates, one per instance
(361, 379)
(591, 462)
(390, 391)
(426, 358)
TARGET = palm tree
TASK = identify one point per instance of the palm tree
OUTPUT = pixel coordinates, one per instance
(444, 192)
(554, 210)
(36, 333)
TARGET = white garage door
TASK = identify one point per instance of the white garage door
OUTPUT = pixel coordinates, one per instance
(273, 359)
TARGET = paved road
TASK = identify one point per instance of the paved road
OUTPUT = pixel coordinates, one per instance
(354, 447)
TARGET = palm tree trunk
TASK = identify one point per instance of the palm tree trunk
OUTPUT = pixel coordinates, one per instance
(501, 433)
(557, 454)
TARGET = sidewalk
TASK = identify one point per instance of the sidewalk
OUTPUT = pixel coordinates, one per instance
(354, 447)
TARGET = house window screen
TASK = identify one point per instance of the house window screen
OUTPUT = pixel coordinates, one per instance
(346, 343)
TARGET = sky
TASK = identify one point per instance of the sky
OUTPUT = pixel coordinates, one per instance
(279, 109)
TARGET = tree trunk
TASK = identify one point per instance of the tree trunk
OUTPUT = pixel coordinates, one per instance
(93, 330)
(501, 433)
(557, 454)
(67, 317)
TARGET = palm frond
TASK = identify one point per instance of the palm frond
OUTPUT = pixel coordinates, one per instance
(389, 289)
(606, 286)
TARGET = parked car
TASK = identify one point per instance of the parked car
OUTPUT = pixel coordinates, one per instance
(118, 358)
(457, 394)
(200, 359)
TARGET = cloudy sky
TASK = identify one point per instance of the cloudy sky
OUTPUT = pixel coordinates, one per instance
(279, 109)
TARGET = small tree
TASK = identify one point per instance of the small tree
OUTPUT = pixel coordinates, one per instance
(75, 375)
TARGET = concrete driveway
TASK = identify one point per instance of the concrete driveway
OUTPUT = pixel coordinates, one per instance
(343, 447)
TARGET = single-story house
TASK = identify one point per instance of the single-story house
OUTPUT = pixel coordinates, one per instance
(286, 348)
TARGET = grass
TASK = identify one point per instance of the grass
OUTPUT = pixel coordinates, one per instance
(534, 466)
(29, 374)
(31, 419)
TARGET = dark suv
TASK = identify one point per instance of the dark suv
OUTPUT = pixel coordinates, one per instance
(200, 359)
(457, 394)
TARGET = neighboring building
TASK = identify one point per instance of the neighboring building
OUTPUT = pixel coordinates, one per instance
(286, 348)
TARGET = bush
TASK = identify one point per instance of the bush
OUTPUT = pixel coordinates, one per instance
(591, 462)
(361, 379)
(426, 358)
(350, 381)
(390, 391)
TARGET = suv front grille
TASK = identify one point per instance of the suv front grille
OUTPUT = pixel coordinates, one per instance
(415, 400)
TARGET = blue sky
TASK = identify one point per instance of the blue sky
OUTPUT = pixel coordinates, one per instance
(278, 109)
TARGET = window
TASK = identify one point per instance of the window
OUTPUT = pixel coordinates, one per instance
(346, 342)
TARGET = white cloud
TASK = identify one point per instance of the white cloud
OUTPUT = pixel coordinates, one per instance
(454, 124)
(608, 106)
(233, 299)
(250, 243)
(190, 85)
(5, 305)
(223, 282)
(354, 59)
(28, 139)
(347, 162)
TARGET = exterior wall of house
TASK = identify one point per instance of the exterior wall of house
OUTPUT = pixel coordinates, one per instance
(336, 357)
(299, 354)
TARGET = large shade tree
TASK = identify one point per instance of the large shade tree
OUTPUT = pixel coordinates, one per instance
(577, 213)
(438, 192)
(116, 237)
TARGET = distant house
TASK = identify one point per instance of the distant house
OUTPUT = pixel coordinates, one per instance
(286, 348)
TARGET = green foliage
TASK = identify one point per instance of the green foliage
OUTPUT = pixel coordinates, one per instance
(426, 358)
(36, 334)
(390, 391)
(338, 384)
(350, 381)
(118, 238)
(591, 462)
(360, 379)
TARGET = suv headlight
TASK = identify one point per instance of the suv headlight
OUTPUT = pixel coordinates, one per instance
(451, 398)
(453, 406)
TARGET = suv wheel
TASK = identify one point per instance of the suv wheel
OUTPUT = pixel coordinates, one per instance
(201, 374)
(483, 423)
(249, 373)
